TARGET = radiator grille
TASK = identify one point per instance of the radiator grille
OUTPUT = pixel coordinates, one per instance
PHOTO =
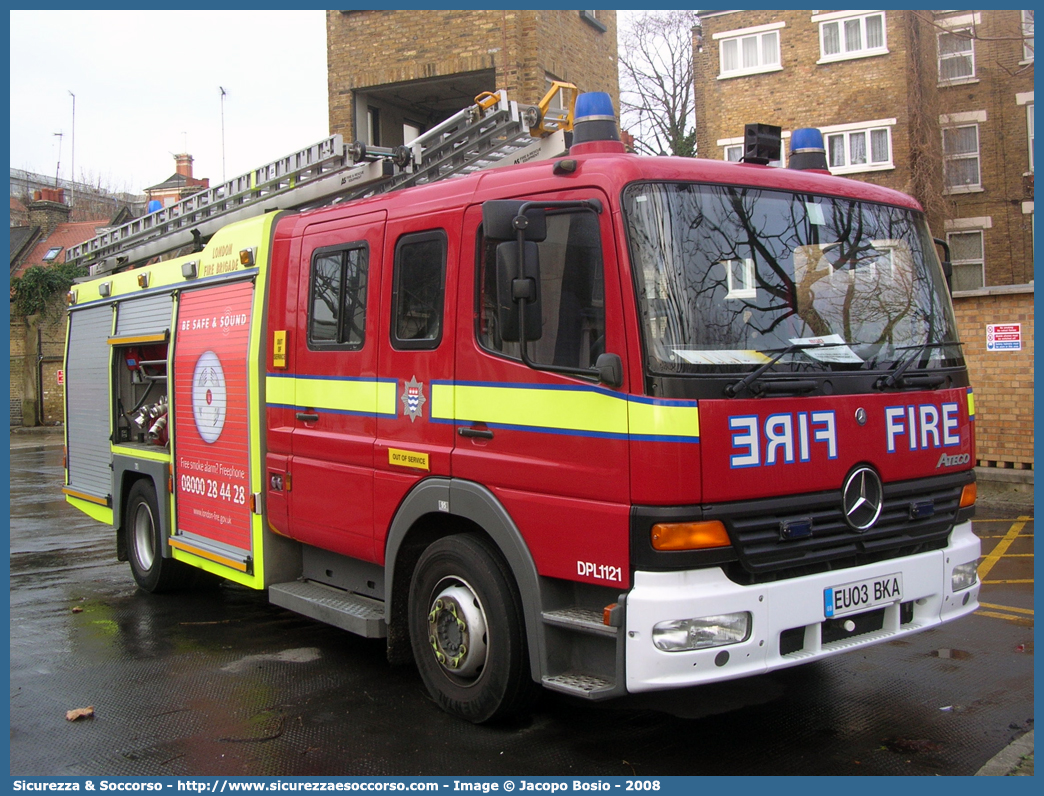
(763, 556)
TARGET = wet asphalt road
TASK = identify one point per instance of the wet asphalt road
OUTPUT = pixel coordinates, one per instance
(223, 683)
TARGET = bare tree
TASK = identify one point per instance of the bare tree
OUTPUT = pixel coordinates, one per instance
(656, 88)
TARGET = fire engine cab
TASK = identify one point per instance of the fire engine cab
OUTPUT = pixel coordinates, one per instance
(537, 410)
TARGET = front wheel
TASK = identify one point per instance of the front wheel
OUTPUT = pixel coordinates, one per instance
(467, 630)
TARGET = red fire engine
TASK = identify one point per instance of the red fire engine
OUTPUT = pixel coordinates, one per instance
(599, 422)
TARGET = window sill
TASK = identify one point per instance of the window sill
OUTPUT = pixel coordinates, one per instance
(963, 189)
(958, 81)
(593, 21)
(994, 290)
(843, 171)
(833, 59)
(749, 72)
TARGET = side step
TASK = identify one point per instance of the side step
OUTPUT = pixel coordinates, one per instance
(352, 612)
(590, 659)
(583, 620)
(588, 686)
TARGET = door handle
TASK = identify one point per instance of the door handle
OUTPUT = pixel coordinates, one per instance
(480, 433)
(307, 417)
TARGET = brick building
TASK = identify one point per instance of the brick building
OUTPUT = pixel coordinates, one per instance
(179, 185)
(936, 104)
(394, 74)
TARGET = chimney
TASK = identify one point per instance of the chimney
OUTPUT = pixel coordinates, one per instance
(184, 167)
(48, 209)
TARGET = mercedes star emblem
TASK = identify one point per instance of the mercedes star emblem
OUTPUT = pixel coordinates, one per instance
(862, 498)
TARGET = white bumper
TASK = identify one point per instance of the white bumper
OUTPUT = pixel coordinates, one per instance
(780, 606)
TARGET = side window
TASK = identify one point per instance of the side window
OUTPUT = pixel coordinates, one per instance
(571, 289)
(337, 306)
(420, 286)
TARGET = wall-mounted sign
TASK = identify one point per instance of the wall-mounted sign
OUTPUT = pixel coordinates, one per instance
(1004, 337)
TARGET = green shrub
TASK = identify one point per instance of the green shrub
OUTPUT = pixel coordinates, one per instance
(41, 289)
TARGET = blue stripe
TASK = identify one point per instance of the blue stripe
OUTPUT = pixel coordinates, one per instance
(568, 432)
(507, 385)
(314, 377)
(324, 411)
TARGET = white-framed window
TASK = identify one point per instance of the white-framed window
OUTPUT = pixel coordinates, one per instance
(1026, 98)
(740, 277)
(847, 34)
(961, 171)
(1027, 35)
(859, 147)
(1029, 126)
(732, 150)
(967, 258)
(1027, 210)
(956, 55)
(749, 51)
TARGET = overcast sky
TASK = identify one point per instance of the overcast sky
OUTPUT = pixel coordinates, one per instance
(147, 87)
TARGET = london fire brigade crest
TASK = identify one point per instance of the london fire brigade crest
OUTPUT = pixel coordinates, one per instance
(209, 396)
(413, 398)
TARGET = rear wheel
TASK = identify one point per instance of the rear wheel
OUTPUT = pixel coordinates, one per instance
(141, 527)
(467, 630)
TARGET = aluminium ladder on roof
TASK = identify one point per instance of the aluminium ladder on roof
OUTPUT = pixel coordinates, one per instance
(493, 132)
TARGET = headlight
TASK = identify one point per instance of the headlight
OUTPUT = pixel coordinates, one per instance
(964, 576)
(706, 631)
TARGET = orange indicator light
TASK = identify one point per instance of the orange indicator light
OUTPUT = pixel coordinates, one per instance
(689, 535)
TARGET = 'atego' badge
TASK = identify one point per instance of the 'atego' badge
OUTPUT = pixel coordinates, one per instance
(413, 399)
(209, 396)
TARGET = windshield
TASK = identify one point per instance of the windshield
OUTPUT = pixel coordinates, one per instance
(730, 277)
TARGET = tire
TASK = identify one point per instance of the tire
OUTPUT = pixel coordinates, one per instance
(467, 630)
(144, 543)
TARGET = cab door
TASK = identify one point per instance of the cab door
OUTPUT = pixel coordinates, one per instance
(337, 397)
(552, 447)
(416, 355)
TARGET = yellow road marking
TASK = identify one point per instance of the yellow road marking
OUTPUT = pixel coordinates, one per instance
(998, 552)
(1026, 580)
(1022, 620)
(1008, 608)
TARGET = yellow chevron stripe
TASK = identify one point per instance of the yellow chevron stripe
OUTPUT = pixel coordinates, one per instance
(591, 411)
(663, 420)
(279, 390)
(365, 396)
(573, 410)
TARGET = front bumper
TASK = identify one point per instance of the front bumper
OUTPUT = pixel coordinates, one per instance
(792, 607)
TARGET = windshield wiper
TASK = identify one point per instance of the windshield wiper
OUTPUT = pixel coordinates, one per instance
(748, 381)
(893, 378)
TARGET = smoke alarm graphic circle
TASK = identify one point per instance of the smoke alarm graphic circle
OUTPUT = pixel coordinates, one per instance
(209, 396)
